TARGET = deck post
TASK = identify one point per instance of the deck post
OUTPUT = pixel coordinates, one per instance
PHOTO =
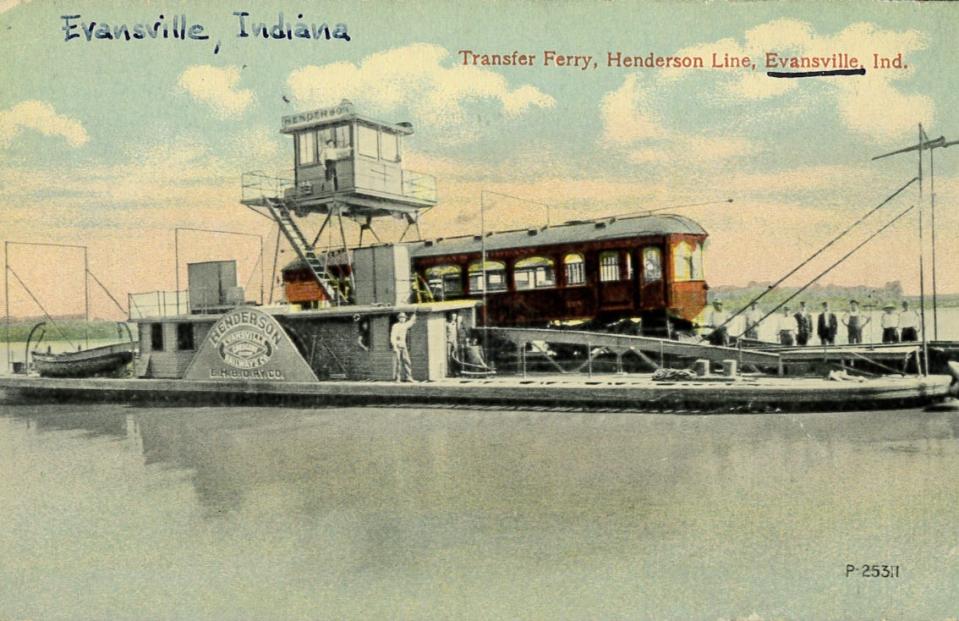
(522, 357)
(86, 299)
(6, 302)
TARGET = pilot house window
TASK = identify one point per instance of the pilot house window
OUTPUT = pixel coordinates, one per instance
(367, 142)
(389, 147)
(306, 148)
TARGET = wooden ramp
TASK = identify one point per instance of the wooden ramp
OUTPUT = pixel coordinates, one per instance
(651, 348)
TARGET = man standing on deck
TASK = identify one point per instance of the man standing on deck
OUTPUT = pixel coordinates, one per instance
(453, 353)
(890, 324)
(908, 324)
(402, 366)
(828, 326)
(854, 322)
(752, 322)
(786, 327)
(717, 321)
(803, 324)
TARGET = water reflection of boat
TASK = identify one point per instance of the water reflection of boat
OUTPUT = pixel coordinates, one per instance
(105, 360)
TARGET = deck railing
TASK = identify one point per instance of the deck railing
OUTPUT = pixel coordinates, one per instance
(150, 304)
(258, 184)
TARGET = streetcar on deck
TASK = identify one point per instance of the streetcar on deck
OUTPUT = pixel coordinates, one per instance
(603, 273)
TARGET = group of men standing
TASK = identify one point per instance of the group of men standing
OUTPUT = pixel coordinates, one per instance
(797, 328)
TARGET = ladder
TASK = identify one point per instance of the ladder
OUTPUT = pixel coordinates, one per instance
(293, 234)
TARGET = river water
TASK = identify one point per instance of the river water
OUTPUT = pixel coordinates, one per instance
(133, 512)
(123, 512)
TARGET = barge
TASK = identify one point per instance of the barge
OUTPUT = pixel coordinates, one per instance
(336, 339)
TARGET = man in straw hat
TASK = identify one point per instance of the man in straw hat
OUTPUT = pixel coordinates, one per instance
(402, 366)
(890, 324)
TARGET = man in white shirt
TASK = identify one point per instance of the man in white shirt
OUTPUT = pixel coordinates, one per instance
(329, 155)
(753, 315)
(717, 321)
(402, 366)
(890, 324)
(786, 327)
(908, 323)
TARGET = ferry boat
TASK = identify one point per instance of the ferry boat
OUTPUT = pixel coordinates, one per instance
(336, 337)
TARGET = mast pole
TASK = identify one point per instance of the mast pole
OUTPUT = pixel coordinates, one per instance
(176, 267)
(6, 300)
(86, 299)
(483, 269)
(932, 213)
(922, 278)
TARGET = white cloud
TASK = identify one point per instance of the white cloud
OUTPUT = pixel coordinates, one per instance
(42, 117)
(631, 122)
(419, 79)
(217, 88)
(627, 114)
(7, 5)
(869, 105)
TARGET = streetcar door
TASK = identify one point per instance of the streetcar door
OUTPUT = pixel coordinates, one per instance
(614, 281)
(652, 288)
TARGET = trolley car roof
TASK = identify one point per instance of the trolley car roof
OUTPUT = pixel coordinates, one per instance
(567, 233)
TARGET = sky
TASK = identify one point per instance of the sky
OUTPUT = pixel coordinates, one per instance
(113, 144)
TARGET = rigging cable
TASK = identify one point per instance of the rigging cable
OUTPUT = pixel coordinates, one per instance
(818, 252)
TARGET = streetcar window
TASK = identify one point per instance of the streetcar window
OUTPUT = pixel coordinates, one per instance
(652, 264)
(575, 271)
(697, 262)
(306, 148)
(683, 261)
(367, 142)
(534, 273)
(449, 276)
(495, 276)
(609, 266)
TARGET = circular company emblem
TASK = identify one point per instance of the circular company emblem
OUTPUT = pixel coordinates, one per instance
(245, 348)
